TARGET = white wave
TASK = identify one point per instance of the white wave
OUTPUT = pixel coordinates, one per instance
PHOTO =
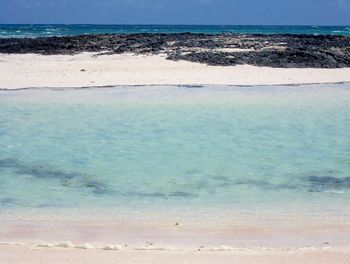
(85, 246)
(11, 244)
(64, 244)
(112, 247)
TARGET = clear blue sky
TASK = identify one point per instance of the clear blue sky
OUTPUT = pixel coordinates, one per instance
(255, 12)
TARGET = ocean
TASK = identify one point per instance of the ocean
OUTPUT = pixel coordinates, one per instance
(236, 148)
(32, 31)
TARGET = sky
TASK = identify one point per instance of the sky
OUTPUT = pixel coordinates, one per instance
(216, 12)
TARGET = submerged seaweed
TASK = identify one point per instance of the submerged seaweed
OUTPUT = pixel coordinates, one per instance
(67, 179)
(7, 201)
(328, 183)
(212, 184)
(8, 163)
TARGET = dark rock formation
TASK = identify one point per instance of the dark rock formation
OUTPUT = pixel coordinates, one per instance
(284, 50)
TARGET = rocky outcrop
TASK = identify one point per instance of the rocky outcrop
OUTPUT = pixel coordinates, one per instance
(284, 50)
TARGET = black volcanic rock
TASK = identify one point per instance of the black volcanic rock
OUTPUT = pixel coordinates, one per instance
(279, 50)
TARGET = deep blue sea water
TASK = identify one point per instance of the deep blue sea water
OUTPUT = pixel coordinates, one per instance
(20, 31)
(234, 147)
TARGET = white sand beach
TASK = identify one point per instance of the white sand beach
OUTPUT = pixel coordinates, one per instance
(88, 70)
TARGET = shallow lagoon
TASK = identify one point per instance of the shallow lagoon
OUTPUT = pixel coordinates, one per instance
(230, 147)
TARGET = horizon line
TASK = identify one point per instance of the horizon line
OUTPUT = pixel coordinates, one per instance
(161, 24)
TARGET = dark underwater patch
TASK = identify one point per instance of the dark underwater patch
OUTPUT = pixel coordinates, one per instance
(97, 187)
(8, 201)
(176, 194)
(12, 202)
(222, 178)
(148, 194)
(41, 172)
(180, 194)
(267, 185)
(224, 181)
(8, 163)
(327, 183)
(67, 179)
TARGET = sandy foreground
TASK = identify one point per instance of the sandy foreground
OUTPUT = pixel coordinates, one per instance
(16, 255)
(89, 70)
(54, 238)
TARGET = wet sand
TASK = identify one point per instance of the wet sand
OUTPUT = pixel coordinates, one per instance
(16, 255)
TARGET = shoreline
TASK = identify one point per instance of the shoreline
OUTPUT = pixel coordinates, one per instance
(87, 70)
(181, 227)
(193, 86)
(20, 254)
(48, 237)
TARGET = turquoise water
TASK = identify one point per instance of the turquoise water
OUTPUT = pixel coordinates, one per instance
(235, 147)
(27, 30)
